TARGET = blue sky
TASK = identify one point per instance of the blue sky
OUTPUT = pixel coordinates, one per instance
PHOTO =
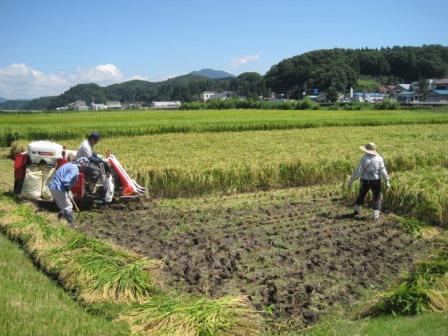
(49, 45)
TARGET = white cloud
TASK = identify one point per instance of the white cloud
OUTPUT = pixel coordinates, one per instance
(22, 81)
(239, 61)
(100, 74)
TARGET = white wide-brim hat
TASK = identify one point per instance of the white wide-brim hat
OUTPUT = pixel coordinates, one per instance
(369, 148)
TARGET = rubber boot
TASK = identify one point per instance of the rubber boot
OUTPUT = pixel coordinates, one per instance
(70, 219)
(357, 210)
(376, 215)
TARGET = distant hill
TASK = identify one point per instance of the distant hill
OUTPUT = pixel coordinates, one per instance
(336, 69)
(18, 104)
(212, 74)
(2, 100)
(183, 88)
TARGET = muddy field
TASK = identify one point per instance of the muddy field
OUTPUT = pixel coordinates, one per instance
(295, 255)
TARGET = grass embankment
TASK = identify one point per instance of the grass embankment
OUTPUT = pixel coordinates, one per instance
(59, 126)
(428, 324)
(98, 273)
(33, 305)
(172, 165)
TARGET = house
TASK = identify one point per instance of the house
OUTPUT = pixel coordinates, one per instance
(136, 105)
(400, 88)
(387, 90)
(406, 97)
(78, 105)
(97, 107)
(375, 97)
(437, 96)
(222, 95)
(206, 95)
(165, 104)
(113, 105)
(441, 84)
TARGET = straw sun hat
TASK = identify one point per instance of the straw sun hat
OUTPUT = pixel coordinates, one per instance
(369, 148)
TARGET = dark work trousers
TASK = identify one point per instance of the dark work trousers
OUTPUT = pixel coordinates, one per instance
(92, 172)
(366, 185)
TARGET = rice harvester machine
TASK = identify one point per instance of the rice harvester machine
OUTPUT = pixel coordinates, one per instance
(34, 170)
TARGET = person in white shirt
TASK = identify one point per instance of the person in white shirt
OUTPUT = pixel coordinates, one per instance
(370, 169)
(85, 150)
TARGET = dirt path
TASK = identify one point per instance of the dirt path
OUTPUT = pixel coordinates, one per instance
(295, 257)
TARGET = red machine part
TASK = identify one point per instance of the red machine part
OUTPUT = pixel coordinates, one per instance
(20, 163)
(78, 188)
(125, 181)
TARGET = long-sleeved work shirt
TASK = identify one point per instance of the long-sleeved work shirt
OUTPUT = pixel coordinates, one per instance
(65, 175)
(85, 150)
(371, 167)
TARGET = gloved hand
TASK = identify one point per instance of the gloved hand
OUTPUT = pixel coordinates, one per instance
(66, 186)
(387, 184)
(95, 159)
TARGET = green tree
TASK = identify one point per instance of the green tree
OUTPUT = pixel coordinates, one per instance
(332, 94)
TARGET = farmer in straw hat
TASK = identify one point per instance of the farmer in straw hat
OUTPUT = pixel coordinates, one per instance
(370, 169)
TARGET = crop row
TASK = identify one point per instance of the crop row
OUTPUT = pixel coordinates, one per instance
(174, 165)
(60, 126)
(421, 193)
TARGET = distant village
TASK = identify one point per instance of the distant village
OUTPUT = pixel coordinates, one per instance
(436, 93)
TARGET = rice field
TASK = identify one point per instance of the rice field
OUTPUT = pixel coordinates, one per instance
(267, 245)
(421, 193)
(70, 125)
(173, 165)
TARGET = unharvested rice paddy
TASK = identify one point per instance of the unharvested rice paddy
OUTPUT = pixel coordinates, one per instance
(193, 164)
(71, 125)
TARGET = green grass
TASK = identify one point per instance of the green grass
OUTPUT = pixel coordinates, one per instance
(72, 125)
(367, 83)
(32, 304)
(428, 324)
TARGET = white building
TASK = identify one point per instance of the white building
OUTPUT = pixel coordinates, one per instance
(165, 104)
(79, 105)
(222, 95)
(206, 95)
(98, 107)
(114, 105)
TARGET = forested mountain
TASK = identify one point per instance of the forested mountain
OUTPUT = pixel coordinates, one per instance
(16, 104)
(327, 69)
(341, 68)
(212, 74)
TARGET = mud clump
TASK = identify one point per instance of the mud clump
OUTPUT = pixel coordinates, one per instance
(294, 260)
